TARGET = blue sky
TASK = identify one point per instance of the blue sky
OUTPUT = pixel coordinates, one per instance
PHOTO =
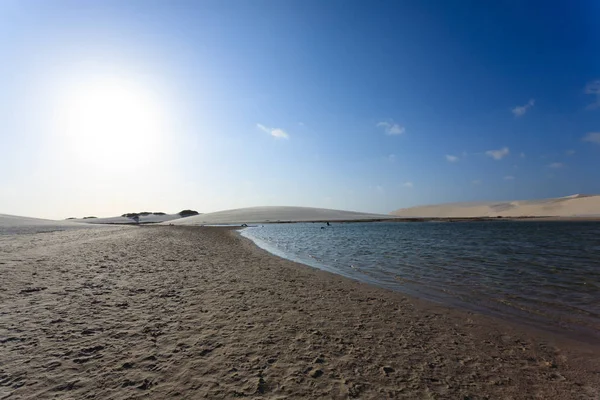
(112, 107)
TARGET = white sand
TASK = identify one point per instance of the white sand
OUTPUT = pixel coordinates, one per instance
(277, 214)
(569, 206)
(12, 224)
(143, 219)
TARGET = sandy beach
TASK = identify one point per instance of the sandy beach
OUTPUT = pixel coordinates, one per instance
(194, 312)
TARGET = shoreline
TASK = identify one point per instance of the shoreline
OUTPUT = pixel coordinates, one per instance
(393, 219)
(577, 333)
(556, 335)
(355, 221)
(162, 311)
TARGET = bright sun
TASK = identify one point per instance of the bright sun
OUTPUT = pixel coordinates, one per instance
(111, 123)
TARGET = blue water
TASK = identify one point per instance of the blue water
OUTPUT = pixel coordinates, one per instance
(543, 273)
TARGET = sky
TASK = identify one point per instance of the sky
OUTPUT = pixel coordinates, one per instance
(125, 106)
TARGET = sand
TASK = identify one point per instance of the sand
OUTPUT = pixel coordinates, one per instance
(143, 219)
(13, 224)
(570, 206)
(277, 214)
(188, 312)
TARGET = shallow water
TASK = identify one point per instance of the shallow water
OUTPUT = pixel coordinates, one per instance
(542, 273)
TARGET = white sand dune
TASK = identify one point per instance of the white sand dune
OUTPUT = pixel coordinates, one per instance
(569, 206)
(143, 219)
(12, 224)
(276, 214)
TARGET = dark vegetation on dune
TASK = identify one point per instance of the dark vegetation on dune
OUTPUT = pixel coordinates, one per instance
(134, 215)
(188, 213)
(142, 214)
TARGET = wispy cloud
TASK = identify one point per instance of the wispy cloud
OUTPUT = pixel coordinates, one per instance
(593, 88)
(556, 165)
(408, 184)
(519, 111)
(592, 137)
(476, 182)
(509, 178)
(498, 154)
(522, 155)
(570, 152)
(451, 158)
(380, 189)
(391, 158)
(391, 128)
(275, 132)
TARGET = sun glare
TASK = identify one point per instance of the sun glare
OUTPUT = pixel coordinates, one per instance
(111, 123)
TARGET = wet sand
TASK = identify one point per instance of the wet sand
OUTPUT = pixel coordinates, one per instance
(189, 312)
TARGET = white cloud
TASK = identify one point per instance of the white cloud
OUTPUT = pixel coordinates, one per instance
(391, 128)
(592, 137)
(279, 133)
(275, 132)
(556, 165)
(593, 88)
(509, 178)
(519, 111)
(451, 158)
(391, 158)
(408, 184)
(380, 189)
(570, 152)
(498, 154)
(476, 182)
(522, 155)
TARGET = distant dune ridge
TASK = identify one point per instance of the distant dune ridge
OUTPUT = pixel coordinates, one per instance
(143, 219)
(277, 214)
(13, 224)
(15, 220)
(576, 205)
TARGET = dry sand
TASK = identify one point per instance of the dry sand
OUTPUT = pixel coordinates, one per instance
(277, 214)
(569, 206)
(186, 312)
(12, 225)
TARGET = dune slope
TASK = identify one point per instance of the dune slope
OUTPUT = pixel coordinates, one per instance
(569, 206)
(13, 224)
(276, 214)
